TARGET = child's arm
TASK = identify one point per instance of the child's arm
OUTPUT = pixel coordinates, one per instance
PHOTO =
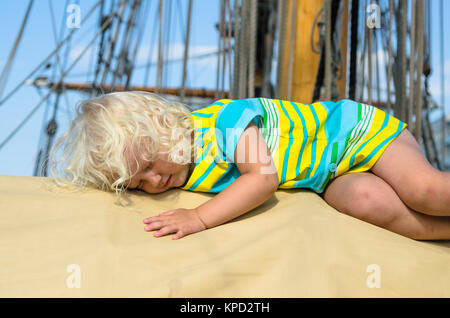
(257, 183)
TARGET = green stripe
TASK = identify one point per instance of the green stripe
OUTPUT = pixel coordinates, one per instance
(334, 152)
(359, 111)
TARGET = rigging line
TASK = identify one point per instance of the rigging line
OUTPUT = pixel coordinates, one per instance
(253, 29)
(400, 92)
(108, 60)
(419, 67)
(100, 51)
(292, 46)
(133, 36)
(55, 37)
(219, 45)
(150, 50)
(281, 33)
(191, 57)
(168, 33)
(353, 49)
(140, 25)
(369, 65)
(55, 85)
(160, 57)
(5, 73)
(126, 39)
(441, 6)
(186, 49)
(363, 54)
(14, 90)
(234, 90)
(389, 68)
(412, 58)
(182, 31)
(327, 93)
(131, 68)
(66, 53)
(58, 59)
(228, 49)
(377, 65)
(243, 47)
(224, 43)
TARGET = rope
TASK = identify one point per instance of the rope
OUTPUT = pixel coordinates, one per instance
(160, 57)
(14, 90)
(112, 45)
(243, 47)
(419, 66)
(363, 55)
(327, 92)
(228, 49)
(252, 47)
(131, 67)
(353, 49)
(217, 93)
(389, 69)
(281, 21)
(292, 48)
(369, 65)
(186, 49)
(150, 50)
(12, 54)
(377, 64)
(237, 49)
(412, 58)
(444, 124)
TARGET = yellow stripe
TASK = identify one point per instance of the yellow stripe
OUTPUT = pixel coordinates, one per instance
(321, 135)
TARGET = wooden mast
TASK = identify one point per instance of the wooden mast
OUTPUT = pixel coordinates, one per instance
(306, 60)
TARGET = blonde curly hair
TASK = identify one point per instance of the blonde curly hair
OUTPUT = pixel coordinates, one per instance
(93, 150)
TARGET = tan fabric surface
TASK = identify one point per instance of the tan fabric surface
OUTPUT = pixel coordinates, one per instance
(295, 245)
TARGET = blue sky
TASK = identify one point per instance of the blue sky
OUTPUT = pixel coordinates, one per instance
(18, 156)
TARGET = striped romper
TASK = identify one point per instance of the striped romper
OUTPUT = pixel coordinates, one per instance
(310, 144)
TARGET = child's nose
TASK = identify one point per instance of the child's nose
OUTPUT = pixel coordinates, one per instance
(153, 178)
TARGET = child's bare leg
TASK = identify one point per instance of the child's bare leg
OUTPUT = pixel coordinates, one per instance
(367, 197)
(405, 168)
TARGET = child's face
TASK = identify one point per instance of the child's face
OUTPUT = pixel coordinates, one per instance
(159, 176)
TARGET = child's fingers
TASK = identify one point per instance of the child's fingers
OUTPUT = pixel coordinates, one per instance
(153, 226)
(164, 231)
(155, 218)
(177, 235)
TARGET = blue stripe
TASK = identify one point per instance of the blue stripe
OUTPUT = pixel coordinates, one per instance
(204, 175)
(370, 156)
(202, 115)
(286, 153)
(385, 122)
(313, 146)
(305, 138)
(222, 183)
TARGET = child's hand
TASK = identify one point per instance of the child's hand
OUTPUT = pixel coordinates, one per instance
(182, 222)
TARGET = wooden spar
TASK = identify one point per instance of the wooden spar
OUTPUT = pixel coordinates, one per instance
(306, 61)
(202, 93)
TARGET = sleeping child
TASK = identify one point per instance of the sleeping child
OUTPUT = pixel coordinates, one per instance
(359, 159)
